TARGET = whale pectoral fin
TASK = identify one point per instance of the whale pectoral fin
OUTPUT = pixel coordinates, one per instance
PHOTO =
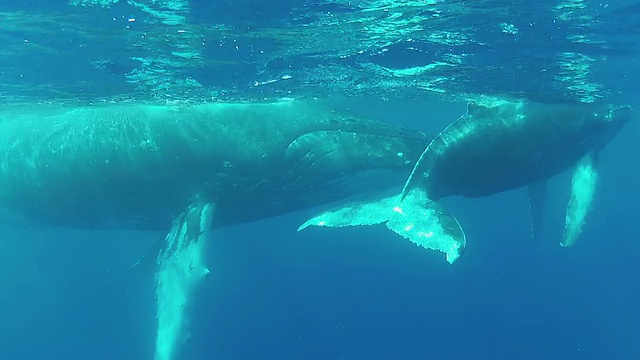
(179, 270)
(416, 218)
(583, 184)
(537, 200)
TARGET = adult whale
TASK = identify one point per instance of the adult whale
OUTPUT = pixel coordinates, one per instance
(187, 169)
(496, 146)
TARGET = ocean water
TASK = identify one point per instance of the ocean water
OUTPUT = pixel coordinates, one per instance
(356, 293)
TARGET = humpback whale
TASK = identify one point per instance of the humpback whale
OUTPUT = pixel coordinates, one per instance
(497, 145)
(188, 169)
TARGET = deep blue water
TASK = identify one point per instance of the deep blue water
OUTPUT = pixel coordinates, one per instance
(359, 293)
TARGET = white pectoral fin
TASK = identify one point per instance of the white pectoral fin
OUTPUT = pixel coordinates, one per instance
(416, 218)
(583, 185)
(180, 267)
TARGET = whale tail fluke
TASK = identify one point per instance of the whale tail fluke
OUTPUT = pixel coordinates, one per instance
(180, 268)
(413, 216)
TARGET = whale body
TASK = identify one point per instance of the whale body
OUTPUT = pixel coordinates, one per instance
(186, 170)
(498, 145)
(138, 166)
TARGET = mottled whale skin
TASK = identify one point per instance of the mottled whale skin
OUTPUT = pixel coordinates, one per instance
(138, 166)
(498, 145)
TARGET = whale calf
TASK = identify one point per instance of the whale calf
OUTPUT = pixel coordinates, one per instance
(498, 145)
(186, 170)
